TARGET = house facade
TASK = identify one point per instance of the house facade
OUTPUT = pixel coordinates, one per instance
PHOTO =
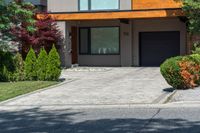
(119, 32)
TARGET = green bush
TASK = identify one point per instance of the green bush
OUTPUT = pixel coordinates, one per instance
(196, 48)
(42, 65)
(170, 71)
(30, 65)
(53, 65)
(6, 65)
(18, 74)
(182, 72)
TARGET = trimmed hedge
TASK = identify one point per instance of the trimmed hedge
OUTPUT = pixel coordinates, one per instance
(30, 65)
(182, 72)
(53, 65)
(42, 65)
(45, 67)
(6, 65)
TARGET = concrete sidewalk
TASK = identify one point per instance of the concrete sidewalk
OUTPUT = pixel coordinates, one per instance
(187, 96)
(102, 86)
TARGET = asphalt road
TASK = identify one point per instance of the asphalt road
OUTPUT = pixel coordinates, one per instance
(48, 119)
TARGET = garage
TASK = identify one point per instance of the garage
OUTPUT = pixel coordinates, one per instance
(156, 47)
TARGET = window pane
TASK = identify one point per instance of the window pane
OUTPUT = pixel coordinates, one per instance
(105, 40)
(84, 5)
(84, 41)
(104, 4)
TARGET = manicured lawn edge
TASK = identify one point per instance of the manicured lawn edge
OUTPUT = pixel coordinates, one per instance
(35, 91)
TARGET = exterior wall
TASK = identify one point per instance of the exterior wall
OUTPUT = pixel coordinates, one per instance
(125, 57)
(62, 5)
(125, 5)
(99, 60)
(72, 5)
(65, 44)
(150, 25)
(126, 44)
(129, 40)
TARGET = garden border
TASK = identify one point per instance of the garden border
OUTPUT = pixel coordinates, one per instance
(36, 91)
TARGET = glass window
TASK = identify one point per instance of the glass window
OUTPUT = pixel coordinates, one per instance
(84, 49)
(105, 40)
(84, 5)
(101, 41)
(104, 4)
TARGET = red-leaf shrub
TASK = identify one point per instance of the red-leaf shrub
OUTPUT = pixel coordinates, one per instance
(182, 72)
(46, 34)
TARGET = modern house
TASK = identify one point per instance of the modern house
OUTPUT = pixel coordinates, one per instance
(120, 32)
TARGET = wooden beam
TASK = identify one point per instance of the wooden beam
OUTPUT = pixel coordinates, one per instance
(156, 4)
(115, 15)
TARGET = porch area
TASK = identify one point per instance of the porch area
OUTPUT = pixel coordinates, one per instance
(122, 42)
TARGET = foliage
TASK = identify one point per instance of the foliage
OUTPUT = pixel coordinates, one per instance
(30, 65)
(45, 67)
(42, 65)
(170, 71)
(182, 72)
(6, 65)
(46, 35)
(53, 65)
(18, 74)
(15, 15)
(196, 48)
(192, 10)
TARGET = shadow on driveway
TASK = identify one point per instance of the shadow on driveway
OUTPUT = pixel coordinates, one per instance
(34, 120)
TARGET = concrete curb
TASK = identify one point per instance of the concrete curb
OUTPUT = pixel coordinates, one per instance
(137, 106)
(164, 98)
(168, 97)
(37, 91)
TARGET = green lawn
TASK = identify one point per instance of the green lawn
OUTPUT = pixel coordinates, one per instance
(11, 90)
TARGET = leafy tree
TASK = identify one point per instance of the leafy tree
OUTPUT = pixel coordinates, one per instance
(53, 65)
(42, 65)
(192, 10)
(46, 35)
(30, 65)
(15, 15)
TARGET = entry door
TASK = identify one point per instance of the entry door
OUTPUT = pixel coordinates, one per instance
(74, 34)
(156, 47)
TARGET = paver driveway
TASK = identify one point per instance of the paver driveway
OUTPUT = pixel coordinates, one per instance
(104, 86)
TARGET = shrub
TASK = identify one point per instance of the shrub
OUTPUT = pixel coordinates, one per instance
(42, 65)
(18, 74)
(6, 65)
(30, 65)
(53, 65)
(196, 48)
(170, 71)
(182, 72)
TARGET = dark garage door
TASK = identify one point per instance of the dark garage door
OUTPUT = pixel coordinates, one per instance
(156, 47)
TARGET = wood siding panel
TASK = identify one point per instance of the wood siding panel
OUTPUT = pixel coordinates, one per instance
(155, 4)
(116, 15)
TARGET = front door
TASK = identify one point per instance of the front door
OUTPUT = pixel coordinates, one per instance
(74, 35)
